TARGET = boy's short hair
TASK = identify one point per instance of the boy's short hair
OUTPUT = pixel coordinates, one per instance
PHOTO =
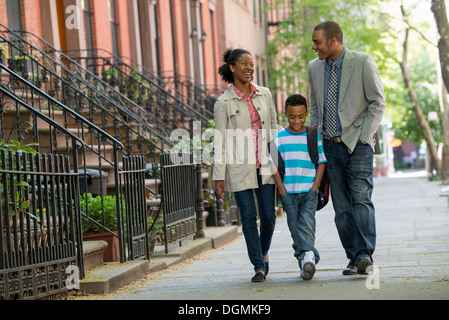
(295, 100)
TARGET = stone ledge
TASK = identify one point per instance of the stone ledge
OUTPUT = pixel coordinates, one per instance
(113, 276)
(93, 253)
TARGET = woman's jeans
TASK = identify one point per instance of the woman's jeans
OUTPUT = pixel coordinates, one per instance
(257, 246)
(351, 185)
(300, 209)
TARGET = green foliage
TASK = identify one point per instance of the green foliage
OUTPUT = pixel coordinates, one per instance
(423, 75)
(101, 209)
(374, 27)
(158, 227)
(291, 48)
(17, 146)
(14, 199)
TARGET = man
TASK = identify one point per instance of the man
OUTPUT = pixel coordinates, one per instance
(346, 105)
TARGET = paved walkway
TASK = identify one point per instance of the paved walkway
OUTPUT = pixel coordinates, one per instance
(412, 257)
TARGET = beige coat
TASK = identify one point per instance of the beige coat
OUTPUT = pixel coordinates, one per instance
(234, 152)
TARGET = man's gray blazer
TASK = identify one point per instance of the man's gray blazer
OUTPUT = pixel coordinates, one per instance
(361, 101)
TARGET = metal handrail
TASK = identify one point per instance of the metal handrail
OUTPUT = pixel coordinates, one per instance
(144, 76)
(87, 72)
(59, 104)
(44, 117)
(82, 80)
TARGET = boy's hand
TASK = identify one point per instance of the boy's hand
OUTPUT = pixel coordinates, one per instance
(278, 180)
(319, 176)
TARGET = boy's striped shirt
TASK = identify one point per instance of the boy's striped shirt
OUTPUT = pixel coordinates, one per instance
(300, 171)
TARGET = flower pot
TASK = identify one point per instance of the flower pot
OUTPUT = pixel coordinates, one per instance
(112, 252)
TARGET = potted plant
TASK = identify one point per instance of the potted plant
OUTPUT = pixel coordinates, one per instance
(101, 209)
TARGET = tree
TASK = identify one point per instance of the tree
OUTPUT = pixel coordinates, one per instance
(422, 122)
(423, 76)
(438, 8)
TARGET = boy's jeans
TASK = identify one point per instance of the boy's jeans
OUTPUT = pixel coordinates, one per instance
(300, 209)
(257, 246)
(351, 181)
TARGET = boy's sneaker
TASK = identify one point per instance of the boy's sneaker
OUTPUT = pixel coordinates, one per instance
(308, 266)
(351, 269)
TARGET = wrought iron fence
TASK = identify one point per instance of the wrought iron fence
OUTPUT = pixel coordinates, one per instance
(40, 221)
(39, 208)
(43, 95)
(37, 239)
(135, 219)
(178, 201)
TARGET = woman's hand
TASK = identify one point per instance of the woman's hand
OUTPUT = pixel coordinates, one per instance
(219, 188)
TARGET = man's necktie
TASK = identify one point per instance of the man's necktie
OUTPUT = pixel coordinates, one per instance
(331, 109)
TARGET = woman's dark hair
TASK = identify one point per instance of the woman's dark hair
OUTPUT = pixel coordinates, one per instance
(230, 57)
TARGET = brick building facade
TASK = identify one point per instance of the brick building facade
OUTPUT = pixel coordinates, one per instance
(167, 37)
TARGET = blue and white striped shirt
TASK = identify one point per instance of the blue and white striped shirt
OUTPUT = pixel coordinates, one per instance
(300, 171)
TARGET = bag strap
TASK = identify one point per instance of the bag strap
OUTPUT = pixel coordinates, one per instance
(312, 144)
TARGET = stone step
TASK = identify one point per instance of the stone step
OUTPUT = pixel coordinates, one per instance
(93, 253)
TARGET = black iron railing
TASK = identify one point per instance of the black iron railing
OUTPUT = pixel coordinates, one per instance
(117, 135)
(132, 188)
(39, 209)
(68, 82)
(190, 89)
(176, 108)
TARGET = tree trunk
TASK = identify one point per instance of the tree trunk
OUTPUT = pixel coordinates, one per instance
(445, 126)
(438, 8)
(436, 163)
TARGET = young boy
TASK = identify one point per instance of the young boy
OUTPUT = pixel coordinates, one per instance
(300, 185)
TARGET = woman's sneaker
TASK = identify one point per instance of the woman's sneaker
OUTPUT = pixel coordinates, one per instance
(307, 266)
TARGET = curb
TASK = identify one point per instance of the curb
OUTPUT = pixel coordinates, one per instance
(112, 276)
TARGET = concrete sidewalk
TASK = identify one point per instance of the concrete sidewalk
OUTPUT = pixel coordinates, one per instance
(111, 276)
(411, 259)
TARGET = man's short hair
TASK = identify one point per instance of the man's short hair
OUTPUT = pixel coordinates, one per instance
(330, 29)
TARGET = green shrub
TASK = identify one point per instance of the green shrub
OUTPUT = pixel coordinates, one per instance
(14, 200)
(101, 209)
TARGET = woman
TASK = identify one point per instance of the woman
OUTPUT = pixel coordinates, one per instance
(244, 117)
